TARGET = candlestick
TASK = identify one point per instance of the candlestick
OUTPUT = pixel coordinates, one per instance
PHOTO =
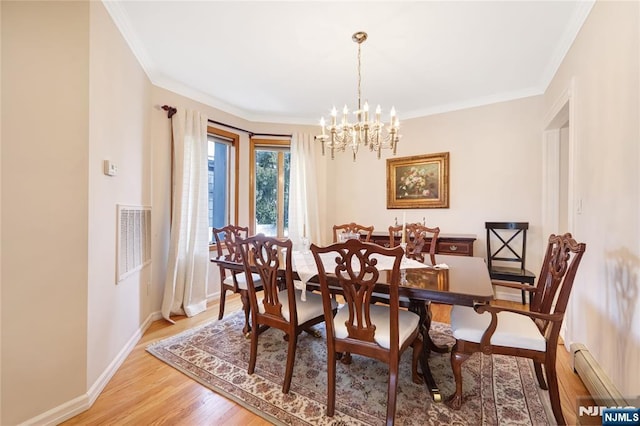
(404, 228)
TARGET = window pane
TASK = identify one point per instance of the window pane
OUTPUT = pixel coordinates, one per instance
(287, 167)
(218, 163)
(266, 192)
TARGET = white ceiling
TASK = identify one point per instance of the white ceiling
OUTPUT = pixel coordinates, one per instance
(290, 62)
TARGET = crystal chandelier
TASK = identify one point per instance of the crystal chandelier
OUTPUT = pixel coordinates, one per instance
(363, 132)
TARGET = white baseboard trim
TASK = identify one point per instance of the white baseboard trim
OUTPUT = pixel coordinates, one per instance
(213, 297)
(82, 403)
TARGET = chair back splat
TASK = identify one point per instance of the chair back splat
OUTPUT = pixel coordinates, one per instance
(375, 331)
(353, 228)
(559, 269)
(420, 239)
(507, 253)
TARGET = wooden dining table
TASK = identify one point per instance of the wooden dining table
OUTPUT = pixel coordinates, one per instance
(447, 279)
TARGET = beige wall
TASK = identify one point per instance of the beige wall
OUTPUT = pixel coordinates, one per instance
(119, 130)
(495, 174)
(604, 310)
(45, 129)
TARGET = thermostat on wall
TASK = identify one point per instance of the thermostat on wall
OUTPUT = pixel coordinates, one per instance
(110, 169)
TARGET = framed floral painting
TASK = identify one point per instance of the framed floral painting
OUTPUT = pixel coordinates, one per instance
(418, 182)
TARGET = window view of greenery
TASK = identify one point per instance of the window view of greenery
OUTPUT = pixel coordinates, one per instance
(272, 191)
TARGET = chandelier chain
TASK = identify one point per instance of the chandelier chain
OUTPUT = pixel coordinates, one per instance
(359, 77)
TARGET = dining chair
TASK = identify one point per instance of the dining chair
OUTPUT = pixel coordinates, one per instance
(418, 236)
(531, 334)
(506, 254)
(360, 327)
(279, 308)
(226, 238)
(353, 228)
(420, 239)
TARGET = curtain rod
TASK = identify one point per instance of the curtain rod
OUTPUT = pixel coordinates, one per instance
(172, 110)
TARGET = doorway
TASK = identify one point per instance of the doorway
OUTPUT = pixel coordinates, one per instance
(560, 203)
(559, 150)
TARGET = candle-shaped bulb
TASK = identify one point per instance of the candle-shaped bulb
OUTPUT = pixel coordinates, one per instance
(334, 114)
(322, 124)
(366, 112)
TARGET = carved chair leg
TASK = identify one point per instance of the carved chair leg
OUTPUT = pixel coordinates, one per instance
(246, 307)
(554, 394)
(223, 297)
(539, 375)
(254, 351)
(417, 351)
(392, 393)
(291, 357)
(457, 358)
(331, 382)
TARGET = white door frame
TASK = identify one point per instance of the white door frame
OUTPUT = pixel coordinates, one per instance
(562, 111)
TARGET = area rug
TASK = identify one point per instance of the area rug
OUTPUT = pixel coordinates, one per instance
(498, 390)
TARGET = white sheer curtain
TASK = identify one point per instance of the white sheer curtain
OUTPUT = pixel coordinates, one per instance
(186, 285)
(303, 197)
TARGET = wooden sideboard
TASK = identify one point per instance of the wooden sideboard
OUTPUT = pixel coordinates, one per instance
(457, 244)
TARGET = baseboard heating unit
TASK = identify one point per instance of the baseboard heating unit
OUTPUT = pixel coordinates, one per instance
(602, 390)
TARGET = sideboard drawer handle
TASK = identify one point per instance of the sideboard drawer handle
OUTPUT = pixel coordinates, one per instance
(453, 248)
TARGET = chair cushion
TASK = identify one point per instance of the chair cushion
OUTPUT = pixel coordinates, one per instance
(307, 310)
(407, 322)
(513, 330)
(242, 280)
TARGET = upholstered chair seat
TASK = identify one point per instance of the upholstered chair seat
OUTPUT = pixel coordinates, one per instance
(513, 330)
(407, 323)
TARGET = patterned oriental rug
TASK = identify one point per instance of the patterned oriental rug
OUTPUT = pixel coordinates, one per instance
(498, 390)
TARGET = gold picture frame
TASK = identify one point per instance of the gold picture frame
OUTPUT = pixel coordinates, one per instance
(418, 182)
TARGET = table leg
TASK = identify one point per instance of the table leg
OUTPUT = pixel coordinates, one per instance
(422, 308)
(426, 327)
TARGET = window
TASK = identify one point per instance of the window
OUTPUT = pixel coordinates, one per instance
(269, 192)
(223, 182)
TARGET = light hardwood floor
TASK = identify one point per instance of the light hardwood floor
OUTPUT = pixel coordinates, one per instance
(146, 391)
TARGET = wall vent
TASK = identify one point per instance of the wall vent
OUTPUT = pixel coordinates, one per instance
(133, 240)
